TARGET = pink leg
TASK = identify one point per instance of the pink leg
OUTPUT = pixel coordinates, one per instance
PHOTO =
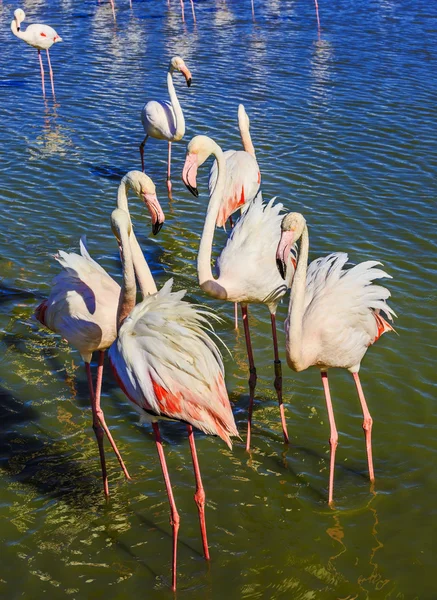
(278, 378)
(252, 372)
(42, 74)
(333, 439)
(101, 416)
(192, 9)
(169, 171)
(97, 430)
(253, 11)
(182, 8)
(199, 496)
(236, 316)
(174, 515)
(113, 8)
(143, 143)
(317, 15)
(51, 74)
(367, 425)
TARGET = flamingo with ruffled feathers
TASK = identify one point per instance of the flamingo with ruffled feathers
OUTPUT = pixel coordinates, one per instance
(247, 264)
(169, 368)
(164, 120)
(83, 303)
(334, 315)
(41, 37)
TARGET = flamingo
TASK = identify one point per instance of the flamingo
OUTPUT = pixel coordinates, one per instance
(192, 10)
(82, 305)
(165, 120)
(41, 37)
(170, 369)
(246, 265)
(334, 315)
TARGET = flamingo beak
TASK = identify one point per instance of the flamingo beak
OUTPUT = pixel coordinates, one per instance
(283, 251)
(57, 38)
(186, 73)
(189, 173)
(156, 212)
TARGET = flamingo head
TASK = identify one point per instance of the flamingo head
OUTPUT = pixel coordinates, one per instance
(177, 64)
(145, 189)
(19, 17)
(292, 227)
(198, 150)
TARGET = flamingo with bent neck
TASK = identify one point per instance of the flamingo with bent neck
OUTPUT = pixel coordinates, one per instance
(82, 305)
(169, 368)
(165, 120)
(247, 264)
(41, 37)
(334, 315)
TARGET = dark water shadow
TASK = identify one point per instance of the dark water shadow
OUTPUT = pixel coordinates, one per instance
(106, 171)
(9, 293)
(153, 526)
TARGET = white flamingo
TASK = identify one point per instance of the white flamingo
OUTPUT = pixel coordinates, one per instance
(41, 37)
(169, 368)
(165, 120)
(83, 302)
(334, 316)
(247, 264)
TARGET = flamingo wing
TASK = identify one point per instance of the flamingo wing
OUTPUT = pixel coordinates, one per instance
(243, 180)
(159, 120)
(169, 367)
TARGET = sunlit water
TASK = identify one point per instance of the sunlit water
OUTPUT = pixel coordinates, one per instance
(344, 129)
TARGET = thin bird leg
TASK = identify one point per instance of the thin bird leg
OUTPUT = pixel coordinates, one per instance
(252, 372)
(42, 73)
(174, 515)
(101, 416)
(182, 8)
(51, 74)
(143, 143)
(113, 8)
(199, 496)
(367, 425)
(169, 171)
(192, 9)
(278, 378)
(236, 316)
(97, 430)
(253, 11)
(317, 15)
(333, 439)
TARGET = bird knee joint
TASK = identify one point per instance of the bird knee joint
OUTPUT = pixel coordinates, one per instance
(200, 498)
(367, 424)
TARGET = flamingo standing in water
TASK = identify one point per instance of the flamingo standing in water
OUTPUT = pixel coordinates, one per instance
(247, 264)
(169, 368)
(41, 37)
(165, 120)
(334, 316)
(82, 305)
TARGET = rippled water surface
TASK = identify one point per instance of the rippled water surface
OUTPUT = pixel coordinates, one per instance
(344, 128)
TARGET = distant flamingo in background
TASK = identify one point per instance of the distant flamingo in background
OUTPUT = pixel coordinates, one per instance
(169, 368)
(192, 10)
(334, 316)
(83, 302)
(41, 37)
(247, 264)
(165, 120)
(243, 177)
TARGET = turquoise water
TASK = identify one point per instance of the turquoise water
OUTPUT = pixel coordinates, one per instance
(343, 125)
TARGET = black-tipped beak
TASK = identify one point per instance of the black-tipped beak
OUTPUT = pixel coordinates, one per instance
(156, 227)
(189, 80)
(281, 267)
(192, 189)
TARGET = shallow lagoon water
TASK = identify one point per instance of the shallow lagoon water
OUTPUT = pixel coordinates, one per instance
(343, 126)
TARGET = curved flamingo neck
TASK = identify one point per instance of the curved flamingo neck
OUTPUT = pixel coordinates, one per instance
(18, 31)
(142, 271)
(128, 294)
(245, 136)
(296, 306)
(204, 271)
(179, 132)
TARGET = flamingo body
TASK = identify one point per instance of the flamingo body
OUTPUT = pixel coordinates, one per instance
(41, 37)
(159, 121)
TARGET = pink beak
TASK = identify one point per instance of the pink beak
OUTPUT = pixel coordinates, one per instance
(186, 73)
(189, 173)
(156, 212)
(283, 251)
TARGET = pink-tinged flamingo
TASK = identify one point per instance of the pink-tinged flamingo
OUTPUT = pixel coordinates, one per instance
(334, 316)
(247, 264)
(170, 369)
(165, 120)
(41, 37)
(82, 305)
(192, 10)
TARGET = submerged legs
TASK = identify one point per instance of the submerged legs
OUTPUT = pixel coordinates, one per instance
(278, 378)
